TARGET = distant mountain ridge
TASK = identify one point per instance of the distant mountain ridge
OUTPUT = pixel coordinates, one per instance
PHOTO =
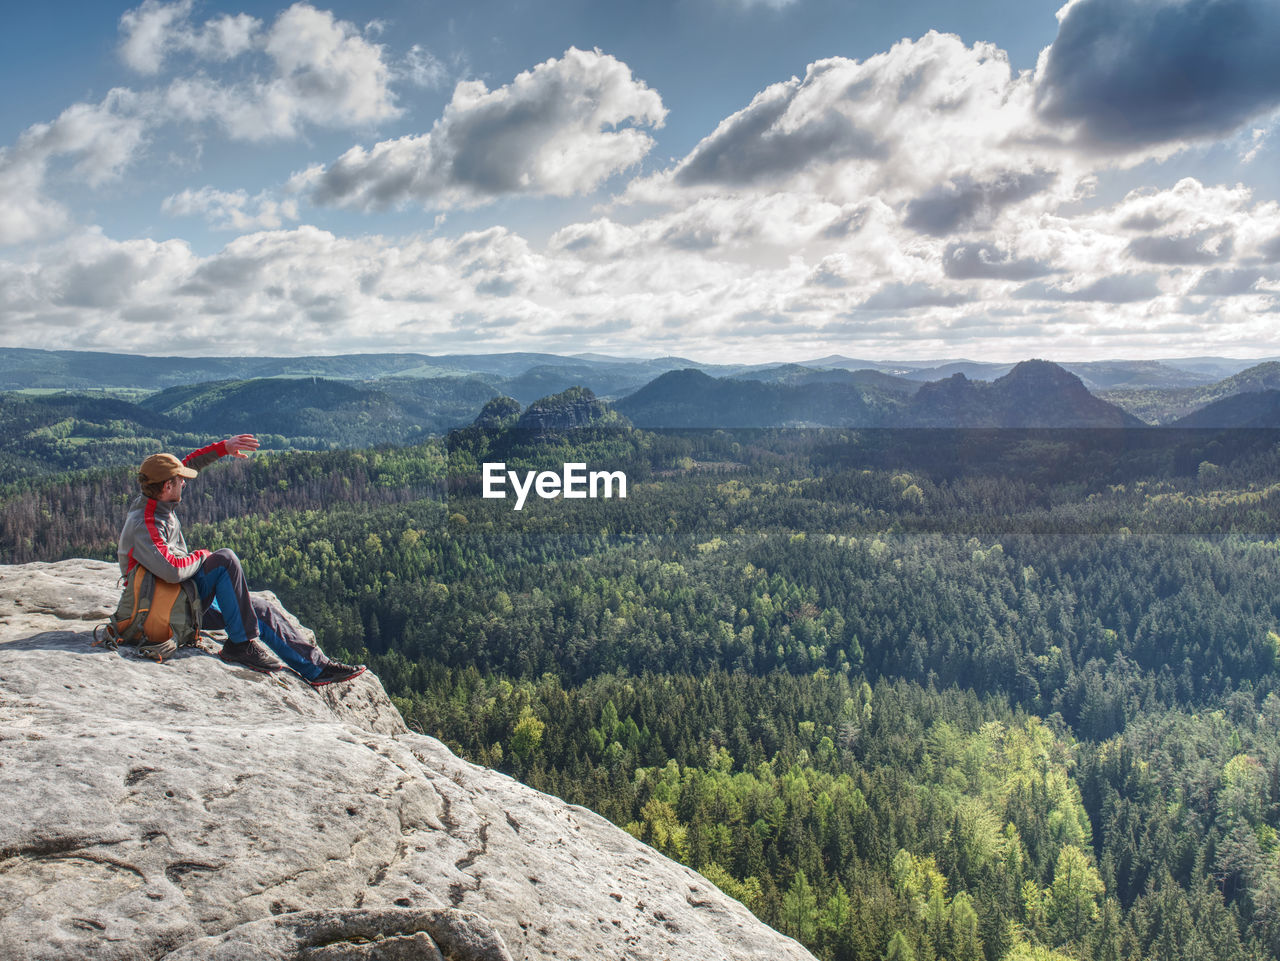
(525, 376)
(694, 399)
(797, 374)
(1096, 375)
(74, 431)
(23, 368)
(1033, 394)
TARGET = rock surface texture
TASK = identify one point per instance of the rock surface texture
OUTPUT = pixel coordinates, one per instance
(192, 810)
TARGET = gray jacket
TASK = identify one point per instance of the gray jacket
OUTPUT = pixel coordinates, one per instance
(152, 535)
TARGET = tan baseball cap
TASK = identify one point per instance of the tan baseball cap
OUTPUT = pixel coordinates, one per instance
(158, 468)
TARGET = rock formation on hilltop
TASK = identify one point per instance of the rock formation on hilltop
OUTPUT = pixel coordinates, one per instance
(193, 810)
(569, 410)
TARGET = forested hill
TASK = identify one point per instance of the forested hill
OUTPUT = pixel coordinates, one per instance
(1164, 406)
(43, 433)
(1035, 393)
(526, 376)
(1032, 394)
(73, 369)
(691, 398)
(1256, 409)
(317, 413)
(924, 694)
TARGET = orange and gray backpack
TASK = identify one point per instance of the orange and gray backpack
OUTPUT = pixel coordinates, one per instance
(156, 616)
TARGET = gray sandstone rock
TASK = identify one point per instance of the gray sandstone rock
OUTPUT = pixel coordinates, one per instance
(193, 810)
(386, 934)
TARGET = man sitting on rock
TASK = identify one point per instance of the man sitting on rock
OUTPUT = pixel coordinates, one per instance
(152, 538)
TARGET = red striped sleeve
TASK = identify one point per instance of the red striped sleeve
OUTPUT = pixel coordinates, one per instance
(220, 448)
(180, 564)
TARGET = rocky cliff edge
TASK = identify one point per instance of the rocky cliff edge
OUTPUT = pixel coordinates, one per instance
(193, 810)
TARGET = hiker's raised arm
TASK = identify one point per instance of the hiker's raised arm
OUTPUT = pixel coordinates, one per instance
(235, 446)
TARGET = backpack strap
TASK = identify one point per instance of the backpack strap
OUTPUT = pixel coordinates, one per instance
(194, 605)
(156, 627)
(119, 630)
(104, 635)
(111, 634)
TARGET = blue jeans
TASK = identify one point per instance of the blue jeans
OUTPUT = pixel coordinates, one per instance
(224, 592)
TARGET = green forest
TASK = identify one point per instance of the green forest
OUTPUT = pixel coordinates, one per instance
(905, 694)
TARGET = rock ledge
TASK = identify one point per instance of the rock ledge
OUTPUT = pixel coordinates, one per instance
(192, 810)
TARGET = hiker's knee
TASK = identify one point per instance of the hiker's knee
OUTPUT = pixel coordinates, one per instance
(225, 557)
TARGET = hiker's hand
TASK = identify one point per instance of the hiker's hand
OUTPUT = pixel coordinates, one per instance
(236, 446)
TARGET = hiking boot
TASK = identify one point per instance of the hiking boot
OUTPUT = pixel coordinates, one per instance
(334, 673)
(250, 654)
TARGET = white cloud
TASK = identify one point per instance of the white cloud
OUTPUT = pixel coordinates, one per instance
(1188, 249)
(232, 210)
(1193, 225)
(609, 285)
(1227, 283)
(1112, 289)
(1129, 75)
(1257, 140)
(270, 291)
(154, 32)
(25, 212)
(316, 70)
(1187, 206)
(920, 192)
(561, 128)
(148, 33)
(949, 148)
(422, 68)
(89, 276)
(930, 121)
(989, 261)
(322, 73)
(98, 139)
(965, 202)
(896, 297)
(104, 275)
(101, 137)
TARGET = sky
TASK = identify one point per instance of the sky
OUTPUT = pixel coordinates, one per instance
(733, 181)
